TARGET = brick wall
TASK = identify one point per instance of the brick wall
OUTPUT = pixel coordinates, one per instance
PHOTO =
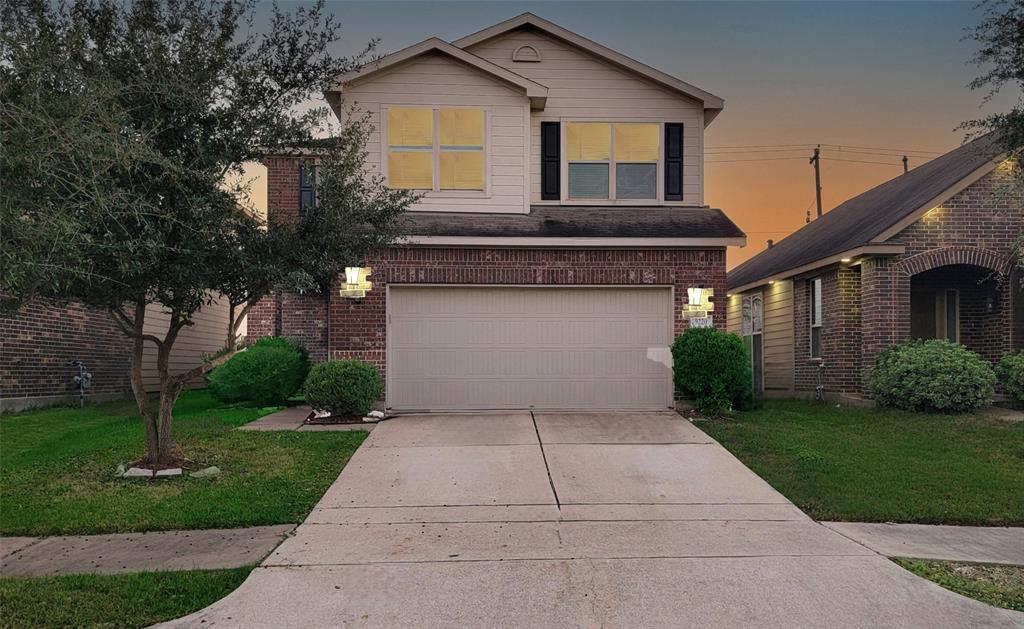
(38, 342)
(358, 329)
(283, 187)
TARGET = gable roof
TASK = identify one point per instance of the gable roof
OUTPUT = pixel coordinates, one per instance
(869, 219)
(712, 104)
(536, 92)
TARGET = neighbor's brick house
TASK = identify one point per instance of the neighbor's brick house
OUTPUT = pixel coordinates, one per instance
(549, 261)
(926, 255)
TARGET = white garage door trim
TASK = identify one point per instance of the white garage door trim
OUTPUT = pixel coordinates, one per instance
(655, 358)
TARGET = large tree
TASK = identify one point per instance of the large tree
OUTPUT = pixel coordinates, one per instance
(1000, 40)
(121, 122)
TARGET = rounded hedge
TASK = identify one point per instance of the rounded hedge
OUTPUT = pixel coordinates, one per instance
(1010, 372)
(343, 387)
(268, 372)
(932, 376)
(712, 369)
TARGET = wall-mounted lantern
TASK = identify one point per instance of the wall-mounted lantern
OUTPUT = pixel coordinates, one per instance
(699, 306)
(356, 285)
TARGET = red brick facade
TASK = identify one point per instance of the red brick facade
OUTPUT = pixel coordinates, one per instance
(963, 244)
(358, 328)
(38, 343)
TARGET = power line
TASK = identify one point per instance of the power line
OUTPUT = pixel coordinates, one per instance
(860, 161)
(754, 159)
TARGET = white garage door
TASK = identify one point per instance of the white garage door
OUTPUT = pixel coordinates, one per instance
(458, 347)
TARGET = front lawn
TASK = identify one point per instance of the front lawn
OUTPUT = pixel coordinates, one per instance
(122, 600)
(874, 465)
(1002, 586)
(57, 470)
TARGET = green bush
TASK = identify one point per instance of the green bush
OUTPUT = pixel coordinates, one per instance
(712, 369)
(343, 387)
(1010, 372)
(268, 372)
(932, 376)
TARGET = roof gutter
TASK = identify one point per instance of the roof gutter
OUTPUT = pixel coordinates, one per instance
(856, 252)
(546, 241)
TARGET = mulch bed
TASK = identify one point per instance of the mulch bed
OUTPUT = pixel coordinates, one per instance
(313, 420)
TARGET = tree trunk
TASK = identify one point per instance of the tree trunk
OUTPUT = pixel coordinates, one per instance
(138, 385)
(232, 339)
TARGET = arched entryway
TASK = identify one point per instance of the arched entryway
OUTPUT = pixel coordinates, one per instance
(962, 295)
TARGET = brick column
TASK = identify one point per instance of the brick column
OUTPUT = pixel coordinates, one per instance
(885, 310)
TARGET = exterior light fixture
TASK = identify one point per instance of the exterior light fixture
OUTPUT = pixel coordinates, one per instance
(845, 260)
(356, 285)
(698, 307)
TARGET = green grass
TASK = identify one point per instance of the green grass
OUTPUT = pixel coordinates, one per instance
(1002, 586)
(58, 470)
(874, 465)
(100, 600)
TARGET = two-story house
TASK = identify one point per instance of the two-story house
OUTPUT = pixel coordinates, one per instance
(563, 226)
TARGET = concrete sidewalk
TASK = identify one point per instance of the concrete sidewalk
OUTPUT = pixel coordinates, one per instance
(137, 552)
(571, 519)
(979, 544)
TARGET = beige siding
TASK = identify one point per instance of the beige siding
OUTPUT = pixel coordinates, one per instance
(193, 342)
(436, 80)
(778, 332)
(582, 86)
(778, 336)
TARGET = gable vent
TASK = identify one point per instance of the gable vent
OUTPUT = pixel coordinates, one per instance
(526, 53)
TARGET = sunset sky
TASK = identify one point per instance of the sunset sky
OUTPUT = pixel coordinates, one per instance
(877, 79)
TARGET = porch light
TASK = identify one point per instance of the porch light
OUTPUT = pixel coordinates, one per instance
(845, 260)
(356, 285)
(698, 302)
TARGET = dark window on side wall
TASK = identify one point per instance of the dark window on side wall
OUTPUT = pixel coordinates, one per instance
(816, 317)
(307, 187)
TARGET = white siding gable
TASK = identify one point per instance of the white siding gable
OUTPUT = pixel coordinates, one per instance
(582, 86)
(437, 80)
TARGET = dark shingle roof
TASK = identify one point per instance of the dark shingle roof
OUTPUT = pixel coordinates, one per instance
(579, 222)
(864, 217)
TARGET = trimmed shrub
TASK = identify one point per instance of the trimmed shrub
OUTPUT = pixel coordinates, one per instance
(712, 369)
(343, 387)
(267, 373)
(1010, 372)
(932, 376)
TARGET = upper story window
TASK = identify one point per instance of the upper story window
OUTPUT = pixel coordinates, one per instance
(435, 149)
(613, 160)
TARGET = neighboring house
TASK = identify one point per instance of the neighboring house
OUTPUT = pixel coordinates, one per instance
(927, 255)
(39, 342)
(564, 220)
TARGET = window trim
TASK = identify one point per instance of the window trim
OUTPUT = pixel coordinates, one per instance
(659, 192)
(758, 295)
(436, 191)
(814, 293)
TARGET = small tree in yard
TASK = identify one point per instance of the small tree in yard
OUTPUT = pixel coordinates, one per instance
(120, 123)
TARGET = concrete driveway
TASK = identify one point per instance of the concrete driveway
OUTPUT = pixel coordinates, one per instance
(571, 520)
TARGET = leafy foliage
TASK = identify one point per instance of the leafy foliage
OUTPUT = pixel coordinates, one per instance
(343, 387)
(1010, 372)
(713, 369)
(932, 376)
(266, 373)
(122, 125)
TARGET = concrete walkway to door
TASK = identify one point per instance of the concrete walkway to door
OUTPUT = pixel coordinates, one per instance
(571, 520)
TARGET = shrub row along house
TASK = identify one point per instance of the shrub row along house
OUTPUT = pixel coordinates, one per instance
(927, 255)
(562, 242)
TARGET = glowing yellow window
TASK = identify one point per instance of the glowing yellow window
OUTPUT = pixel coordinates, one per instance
(637, 142)
(461, 140)
(588, 141)
(410, 148)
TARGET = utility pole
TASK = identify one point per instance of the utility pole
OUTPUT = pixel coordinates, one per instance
(816, 161)
(905, 160)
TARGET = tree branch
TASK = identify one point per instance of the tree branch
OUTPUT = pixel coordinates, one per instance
(127, 326)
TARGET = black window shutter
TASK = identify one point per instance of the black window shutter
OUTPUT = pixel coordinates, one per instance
(673, 161)
(550, 161)
(307, 188)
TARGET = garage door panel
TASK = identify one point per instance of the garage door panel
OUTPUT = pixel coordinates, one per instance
(517, 347)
